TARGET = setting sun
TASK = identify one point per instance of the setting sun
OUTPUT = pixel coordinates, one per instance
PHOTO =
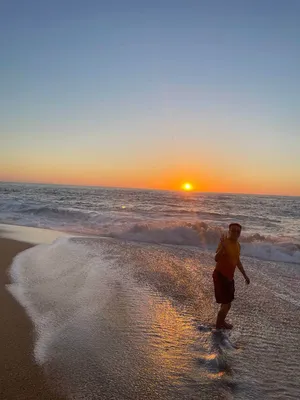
(187, 186)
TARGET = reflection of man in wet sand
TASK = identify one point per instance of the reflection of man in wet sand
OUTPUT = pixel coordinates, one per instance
(227, 258)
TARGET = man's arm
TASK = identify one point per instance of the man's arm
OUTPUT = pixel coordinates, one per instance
(220, 252)
(241, 268)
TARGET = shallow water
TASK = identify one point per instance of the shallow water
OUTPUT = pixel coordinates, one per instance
(120, 320)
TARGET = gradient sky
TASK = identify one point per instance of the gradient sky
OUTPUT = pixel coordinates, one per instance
(152, 93)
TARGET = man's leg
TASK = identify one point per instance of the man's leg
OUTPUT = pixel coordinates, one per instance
(222, 314)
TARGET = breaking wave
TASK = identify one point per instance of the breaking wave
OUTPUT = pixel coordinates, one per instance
(160, 218)
(207, 237)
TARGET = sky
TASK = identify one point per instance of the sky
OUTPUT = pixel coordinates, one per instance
(151, 94)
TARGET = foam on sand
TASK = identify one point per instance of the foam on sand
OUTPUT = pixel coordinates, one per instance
(117, 319)
(92, 320)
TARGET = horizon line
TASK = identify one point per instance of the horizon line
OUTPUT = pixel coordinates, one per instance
(146, 189)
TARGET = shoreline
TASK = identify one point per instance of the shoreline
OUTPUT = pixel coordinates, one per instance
(31, 235)
(20, 377)
(23, 379)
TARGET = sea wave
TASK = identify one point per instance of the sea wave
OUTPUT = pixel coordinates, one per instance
(207, 236)
(58, 211)
(124, 223)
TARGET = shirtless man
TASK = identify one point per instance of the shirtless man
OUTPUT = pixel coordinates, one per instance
(227, 259)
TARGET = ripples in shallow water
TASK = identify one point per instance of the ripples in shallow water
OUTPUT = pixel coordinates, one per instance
(129, 321)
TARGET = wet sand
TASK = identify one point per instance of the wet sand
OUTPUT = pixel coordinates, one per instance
(151, 299)
(20, 377)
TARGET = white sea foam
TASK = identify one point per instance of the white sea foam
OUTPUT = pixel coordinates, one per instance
(207, 237)
(56, 284)
(115, 320)
(95, 326)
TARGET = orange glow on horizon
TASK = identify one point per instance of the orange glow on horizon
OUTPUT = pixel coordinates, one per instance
(165, 179)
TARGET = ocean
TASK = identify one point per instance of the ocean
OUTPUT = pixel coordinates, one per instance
(123, 308)
(271, 224)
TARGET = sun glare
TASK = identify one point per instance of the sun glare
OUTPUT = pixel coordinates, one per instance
(187, 186)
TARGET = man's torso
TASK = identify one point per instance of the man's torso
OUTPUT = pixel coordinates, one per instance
(228, 262)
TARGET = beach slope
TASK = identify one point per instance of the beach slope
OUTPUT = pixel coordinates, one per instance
(20, 377)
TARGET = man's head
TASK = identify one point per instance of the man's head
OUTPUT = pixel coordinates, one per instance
(234, 231)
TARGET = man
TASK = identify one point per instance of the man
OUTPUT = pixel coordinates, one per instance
(227, 259)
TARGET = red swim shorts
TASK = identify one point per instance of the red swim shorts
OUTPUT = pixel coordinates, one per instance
(224, 288)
